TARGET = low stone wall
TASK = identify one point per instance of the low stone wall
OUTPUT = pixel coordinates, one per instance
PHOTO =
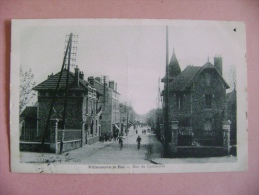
(92, 140)
(69, 145)
(199, 152)
(34, 147)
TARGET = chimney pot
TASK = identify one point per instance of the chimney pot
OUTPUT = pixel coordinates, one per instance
(91, 80)
(77, 76)
(81, 75)
(111, 84)
(218, 64)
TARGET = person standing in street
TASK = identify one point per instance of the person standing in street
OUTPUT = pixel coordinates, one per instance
(138, 141)
(120, 138)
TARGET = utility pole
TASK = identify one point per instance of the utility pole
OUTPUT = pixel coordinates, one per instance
(65, 101)
(55, 92)
(67, 59)
(104, 90)
(127, 115)
(157, 111)
(167, 131)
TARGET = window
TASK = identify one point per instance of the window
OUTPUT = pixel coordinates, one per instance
(208, 125)
(179, 100)
(208, 78)
(96, 126)
(208, 101)
(92, 127)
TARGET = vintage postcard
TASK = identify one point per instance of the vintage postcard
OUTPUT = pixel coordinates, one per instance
(128, 96)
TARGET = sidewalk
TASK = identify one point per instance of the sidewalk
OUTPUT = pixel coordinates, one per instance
(224, 159)
(87, 150)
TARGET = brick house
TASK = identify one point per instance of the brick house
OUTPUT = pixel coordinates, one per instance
(82, 118)
(109, 101)
(197, 101)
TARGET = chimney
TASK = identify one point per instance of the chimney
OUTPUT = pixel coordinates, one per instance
(81, 75)
(98, 79)
(218, 63)
(77, 76)
(115, 87)
(111, 84)
(91, 80)
(49, 76)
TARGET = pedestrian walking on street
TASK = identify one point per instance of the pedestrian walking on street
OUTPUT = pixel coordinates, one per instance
(120, 138)
(138, 141)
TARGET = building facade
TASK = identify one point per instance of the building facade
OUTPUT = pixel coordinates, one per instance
(197, 101)
(82, 125)
(109, 102)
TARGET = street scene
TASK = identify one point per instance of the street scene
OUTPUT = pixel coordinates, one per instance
(127, 95)
(107, 152)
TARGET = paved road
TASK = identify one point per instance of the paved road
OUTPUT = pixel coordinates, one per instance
(107, 152)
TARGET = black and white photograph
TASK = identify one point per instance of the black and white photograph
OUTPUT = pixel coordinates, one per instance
(128, 96)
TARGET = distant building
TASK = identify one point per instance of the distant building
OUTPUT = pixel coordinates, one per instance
(197, 101)
(109, 101)
(124, 117)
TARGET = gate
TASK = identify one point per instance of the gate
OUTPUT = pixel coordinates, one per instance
(187, 137)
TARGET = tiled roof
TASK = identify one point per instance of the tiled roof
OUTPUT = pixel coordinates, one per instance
(164, 78)
(29, 112)
(188, 75)
(51, 82)
(100, 89)
(184, 79)
(98, 86)
(173, 69)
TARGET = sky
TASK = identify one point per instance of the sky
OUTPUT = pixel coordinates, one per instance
(130, 52)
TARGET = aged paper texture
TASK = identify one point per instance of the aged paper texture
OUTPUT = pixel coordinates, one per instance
(128, 96)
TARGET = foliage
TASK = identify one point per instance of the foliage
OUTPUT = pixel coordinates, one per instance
(231, 77)
(26, 85)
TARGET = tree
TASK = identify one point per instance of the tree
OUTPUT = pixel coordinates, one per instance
(231, 77)
(26, 85)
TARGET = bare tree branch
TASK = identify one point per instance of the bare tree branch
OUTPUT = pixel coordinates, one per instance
(26, 85)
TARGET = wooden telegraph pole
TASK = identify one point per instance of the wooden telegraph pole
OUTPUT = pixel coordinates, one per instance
(167, 131)
(66, 94)
(66, 62)
(55, 92)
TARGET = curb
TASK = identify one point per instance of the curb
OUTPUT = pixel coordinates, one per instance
(154, 162)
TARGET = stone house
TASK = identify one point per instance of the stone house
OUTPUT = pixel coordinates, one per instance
(82, 114)
(197, 101)
(109, 102)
